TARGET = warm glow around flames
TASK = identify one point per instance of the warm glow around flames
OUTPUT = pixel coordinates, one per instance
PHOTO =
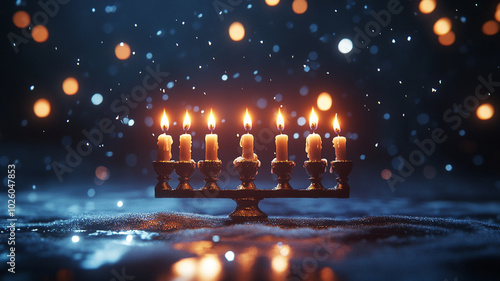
(336, 126)
(247, 122)
(164, 122)
(187, 122)
(211, 121)
(280, 123)
(313, 120)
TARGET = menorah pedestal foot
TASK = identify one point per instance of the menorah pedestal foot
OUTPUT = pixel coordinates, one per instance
(247, 209)
(163, 169)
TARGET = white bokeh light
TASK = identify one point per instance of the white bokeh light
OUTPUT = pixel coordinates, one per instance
(345, 46)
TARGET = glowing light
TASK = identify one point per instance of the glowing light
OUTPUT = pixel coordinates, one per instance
(119, 204)
(279, 263)
(185, 268)
(164, 122)
(21, 19)
(75, 239)
(313, 120)
(327, 274)
(442, 26)
(247, 121)
(122, 51)
(229, 256)
(345, 46)
(280, 122)
(209, 268)
(102, 173)
(70, 86)
(236, 31)
(129, 238)
(497, 15)
(324, 101)
(447, 39)
(40, 33)
(386, 174)
(96, 99)
(490, 27)
(272, 2)
(427, 6)
(42, 108)
(299, 6)
(485, 111)
(336, 125)
(186, 124)
(211, 121)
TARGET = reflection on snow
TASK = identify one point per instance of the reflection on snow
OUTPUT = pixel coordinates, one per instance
(110, 253)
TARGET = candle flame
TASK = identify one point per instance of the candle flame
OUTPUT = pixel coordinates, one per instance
(247, 122)
(280, 123)
(336, 126)
(313, 120)
(211, 121)
(164, 122)
(187, 122)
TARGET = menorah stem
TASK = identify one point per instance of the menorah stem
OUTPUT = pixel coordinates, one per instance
(247, 209)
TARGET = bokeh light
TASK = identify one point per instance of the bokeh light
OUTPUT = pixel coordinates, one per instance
(386, 174)
(427, 6)
(122, 51)
(485, 111)
(345, 46)
(324, 101)
(272, 2)
(442, 26)
(447, 39)
(236, 31)
(40, 33)
(42, 108)
(299, 6)
(490, 27)
(21, 19)
(102, 173)
(497, 15)
(70, 86)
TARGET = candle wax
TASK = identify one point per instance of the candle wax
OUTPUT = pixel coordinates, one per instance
(339, 143)
(313, 147)
(185, 147)
(246, 144)
(211, 147)
(164, 147)
(281, 147)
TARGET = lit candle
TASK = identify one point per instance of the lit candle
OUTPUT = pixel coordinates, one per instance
(313, 141)
(246, 141)
(339, 143)
(281, 140)
(164, 141)
(211, 143)
(185, 141)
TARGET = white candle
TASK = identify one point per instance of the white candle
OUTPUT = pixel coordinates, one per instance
(281, 140)
(185, 141)
(246, 141)
(339, 143)
(164, 141)
(211, 142)
(313, 141)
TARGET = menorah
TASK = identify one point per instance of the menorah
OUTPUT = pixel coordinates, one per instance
(247, 196)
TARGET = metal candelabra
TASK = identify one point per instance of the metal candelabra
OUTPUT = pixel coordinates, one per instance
(247, 196)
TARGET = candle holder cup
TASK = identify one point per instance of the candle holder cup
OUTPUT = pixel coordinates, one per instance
(342, 168)
(247, 169)
(211, 169)
(184, 169)
(282, 169)
(316, 169)
(163, 169)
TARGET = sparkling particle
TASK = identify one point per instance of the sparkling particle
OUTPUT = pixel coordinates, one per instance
(224, 77)
(229, 255)
(119, 204)
(345, 46)
(75, 239)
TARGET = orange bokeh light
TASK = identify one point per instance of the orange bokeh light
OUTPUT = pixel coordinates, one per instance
(324, 101)
(427, 6)
(41, 108)
(122, 51)
(386, 174)
(70, 86)
(40, 33)
(497, 15)
(21, 19)
(490, 27)
(299, 6)
(236, 31)
(485, 111)
(272, 2)
(102, 173)
(442, 26)
(447, 39)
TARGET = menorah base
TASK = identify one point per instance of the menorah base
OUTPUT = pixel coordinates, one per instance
(247, 209)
